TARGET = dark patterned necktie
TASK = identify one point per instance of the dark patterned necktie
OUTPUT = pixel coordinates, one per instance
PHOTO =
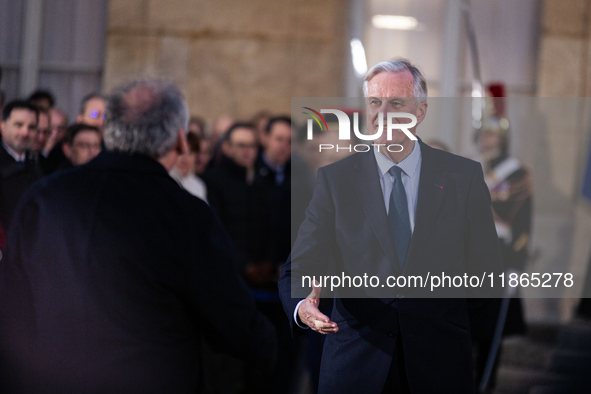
(398, 214)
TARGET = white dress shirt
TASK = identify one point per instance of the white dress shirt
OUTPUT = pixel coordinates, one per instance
(18, 157)
(191, 183)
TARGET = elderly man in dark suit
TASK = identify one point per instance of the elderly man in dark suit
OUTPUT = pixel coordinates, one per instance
(394, 212)
(113, 273)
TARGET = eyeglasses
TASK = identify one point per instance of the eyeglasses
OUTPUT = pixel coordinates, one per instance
(94, 114)
(84, 145)
(245, 146)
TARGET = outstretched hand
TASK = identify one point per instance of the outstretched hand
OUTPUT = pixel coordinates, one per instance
(311, 316)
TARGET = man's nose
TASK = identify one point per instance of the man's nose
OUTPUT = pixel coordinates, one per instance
(383, 112)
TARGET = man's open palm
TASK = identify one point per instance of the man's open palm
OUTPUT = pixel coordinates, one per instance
(311, 316)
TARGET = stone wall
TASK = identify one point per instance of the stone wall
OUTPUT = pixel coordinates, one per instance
(565, 62)
(229, 56)
(562, 226)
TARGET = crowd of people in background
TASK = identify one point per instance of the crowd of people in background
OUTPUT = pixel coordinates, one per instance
(37, 141)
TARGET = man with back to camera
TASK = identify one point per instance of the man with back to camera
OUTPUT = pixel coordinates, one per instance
(407, 212)
(113, 273)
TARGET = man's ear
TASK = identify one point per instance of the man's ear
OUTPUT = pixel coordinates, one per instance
(181, 146)
(226, 148)
(67, 149)
(2, 126)
(79, 118)
(421, 112)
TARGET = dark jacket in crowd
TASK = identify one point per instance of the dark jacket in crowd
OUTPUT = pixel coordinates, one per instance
(242, 208)
(111, 276)
(278, 195)
(15, 178)
(55, 160)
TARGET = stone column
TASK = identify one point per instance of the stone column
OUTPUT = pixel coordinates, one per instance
(563, 222)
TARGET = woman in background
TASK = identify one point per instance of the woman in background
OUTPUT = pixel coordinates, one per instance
(184, 170)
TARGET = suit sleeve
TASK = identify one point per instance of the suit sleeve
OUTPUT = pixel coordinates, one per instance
(224, 309)
(311, 251)
(483, 253)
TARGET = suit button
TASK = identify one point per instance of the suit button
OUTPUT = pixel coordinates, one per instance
(400, 296)
(391, 334)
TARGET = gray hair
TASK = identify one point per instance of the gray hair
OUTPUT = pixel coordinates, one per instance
(145, 117)
(397, 65)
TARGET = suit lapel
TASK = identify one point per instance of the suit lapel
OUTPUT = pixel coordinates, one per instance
(8, 165)
(430, 195)
(366, 182)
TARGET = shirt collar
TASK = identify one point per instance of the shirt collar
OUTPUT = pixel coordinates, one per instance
(408, 165)
(279, 168)
(18, 157)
